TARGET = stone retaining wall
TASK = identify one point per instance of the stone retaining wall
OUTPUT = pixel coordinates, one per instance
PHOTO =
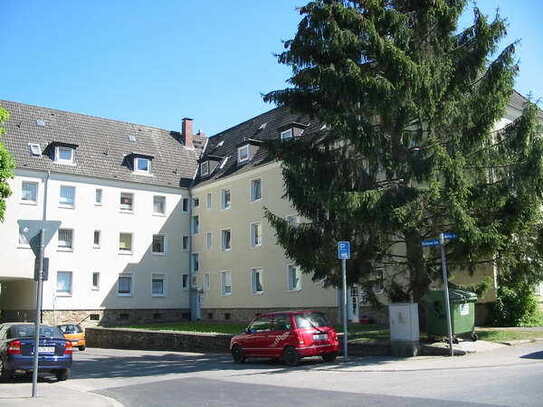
(125, 338)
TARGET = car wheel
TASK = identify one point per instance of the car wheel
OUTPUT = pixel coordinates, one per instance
(62, 374)
(82, 348)
(237, 354)
(5, 373)
(329, 357)
(290, 356)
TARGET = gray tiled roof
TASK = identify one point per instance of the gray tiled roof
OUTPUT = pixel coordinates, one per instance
(103, 145)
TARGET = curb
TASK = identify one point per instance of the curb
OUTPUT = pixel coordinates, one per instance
(521, 341)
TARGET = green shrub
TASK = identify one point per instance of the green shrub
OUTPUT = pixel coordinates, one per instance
(516, 305)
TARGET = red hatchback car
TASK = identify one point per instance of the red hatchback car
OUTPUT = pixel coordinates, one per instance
(287, 335)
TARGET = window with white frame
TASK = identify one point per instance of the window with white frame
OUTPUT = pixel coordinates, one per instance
(185, 242)
(185, 205)
(159, 205)
(226, 239)
(195, 202)
(243, 153)
(225, 199)
(159, 244)
(226, 282)
(294, 276)
(293, 220)
(256, 281)
(184, 281)
(209, 200)
(96, 239)
(142, 165)
(95, 281)
(67, 196)
(207, 282)
(256, 234)
(23, 240)
(195, 225)
(64, 283)
(204, 169)
(256, 189)
(98, 196)
(209, 240)
(378, 286)
(286, 134)
(158, 285)
(127, 202)
(29, 192)
(125, 242)
(65, 239)
(125, 286)
(64, 155)
(195, 262)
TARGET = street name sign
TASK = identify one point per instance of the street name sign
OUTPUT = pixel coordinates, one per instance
(344, 250)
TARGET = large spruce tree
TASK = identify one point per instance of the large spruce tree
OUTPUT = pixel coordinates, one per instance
(409, 149)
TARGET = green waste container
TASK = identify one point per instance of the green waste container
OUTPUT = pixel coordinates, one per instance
(462, 304)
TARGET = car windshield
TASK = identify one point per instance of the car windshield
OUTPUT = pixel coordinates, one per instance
(27, 331)
(70, 329)
(311, 320)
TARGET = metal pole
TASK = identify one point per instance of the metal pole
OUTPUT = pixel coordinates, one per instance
(345, 330)
(446, 290)
(39, 294)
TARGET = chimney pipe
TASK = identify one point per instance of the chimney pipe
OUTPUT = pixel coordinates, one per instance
(186, 129)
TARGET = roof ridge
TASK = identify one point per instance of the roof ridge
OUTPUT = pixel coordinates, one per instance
(87, 115)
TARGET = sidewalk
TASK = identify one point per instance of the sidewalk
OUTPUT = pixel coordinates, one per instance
(19, 393)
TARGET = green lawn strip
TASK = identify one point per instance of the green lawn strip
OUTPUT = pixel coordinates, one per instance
(195, 327)
(507, 335)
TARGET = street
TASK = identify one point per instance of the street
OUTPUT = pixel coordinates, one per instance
(509, 377)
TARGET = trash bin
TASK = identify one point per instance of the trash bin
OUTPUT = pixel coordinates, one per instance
(462, 304)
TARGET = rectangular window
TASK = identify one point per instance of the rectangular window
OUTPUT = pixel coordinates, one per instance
(127, 201)
(184, 281)
(23, 240)
(225, 199)
(243, 153)
(286, 134)
(204, 169)
(29, 192)
(158, 285)
(293, 220)
(142, 165)
(64, 283)
(64, 155)
(207, 282)
(125, 242)
(294, 278)
(65, 239)
(67, 196)
(195, 202)
(195, 225)
(159, 205)
(378, 285)
(98, 197)
(95, 281)
(159, 244)
(209, 200)
(185, 242)
(256, 281)
(226, 282)
(124, 286)
(256, 234)
(195, 261)
(226, 237)
(96, 240)
(209, 240)
(256, 189)
(185, 205)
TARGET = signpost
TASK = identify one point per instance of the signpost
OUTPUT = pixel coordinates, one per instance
(344, 253)
(441, 243)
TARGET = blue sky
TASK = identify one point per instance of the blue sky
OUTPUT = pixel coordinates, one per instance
(156, 62)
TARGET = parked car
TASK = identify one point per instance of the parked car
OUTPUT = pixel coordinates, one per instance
(17, 350)
(74, 333)
(289, 336)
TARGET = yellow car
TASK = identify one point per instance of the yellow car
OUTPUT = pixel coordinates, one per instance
(75, 334)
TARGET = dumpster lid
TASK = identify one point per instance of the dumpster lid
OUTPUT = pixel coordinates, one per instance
(455, 295)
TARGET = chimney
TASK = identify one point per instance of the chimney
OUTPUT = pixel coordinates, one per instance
(186, 129)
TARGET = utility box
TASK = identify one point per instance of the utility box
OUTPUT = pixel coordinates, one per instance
(404, 329)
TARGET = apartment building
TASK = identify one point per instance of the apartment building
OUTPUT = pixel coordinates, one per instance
(117, 203)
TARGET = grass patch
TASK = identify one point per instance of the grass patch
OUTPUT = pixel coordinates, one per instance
(195, 327)
(506, 335)
(359, 333)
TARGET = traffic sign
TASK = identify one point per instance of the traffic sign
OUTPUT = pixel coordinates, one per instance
(343, 250)
(45, 275)
(450, 236)
(430, 242)
(31, 229)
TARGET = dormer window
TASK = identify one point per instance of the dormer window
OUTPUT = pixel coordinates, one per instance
(286, 134)
(142, 165)
(204, 169)
(64, 155)
(243, 153)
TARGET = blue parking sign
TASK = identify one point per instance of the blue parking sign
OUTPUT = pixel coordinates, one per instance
(344, 250)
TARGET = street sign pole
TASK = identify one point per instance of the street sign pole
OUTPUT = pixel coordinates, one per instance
(345, 328)
(446, 290)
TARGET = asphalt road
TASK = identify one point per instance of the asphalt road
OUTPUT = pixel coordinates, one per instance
(507, 377)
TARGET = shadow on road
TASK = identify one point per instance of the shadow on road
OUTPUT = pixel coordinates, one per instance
(534, 355)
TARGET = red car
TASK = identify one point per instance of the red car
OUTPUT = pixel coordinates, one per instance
(287, 335)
